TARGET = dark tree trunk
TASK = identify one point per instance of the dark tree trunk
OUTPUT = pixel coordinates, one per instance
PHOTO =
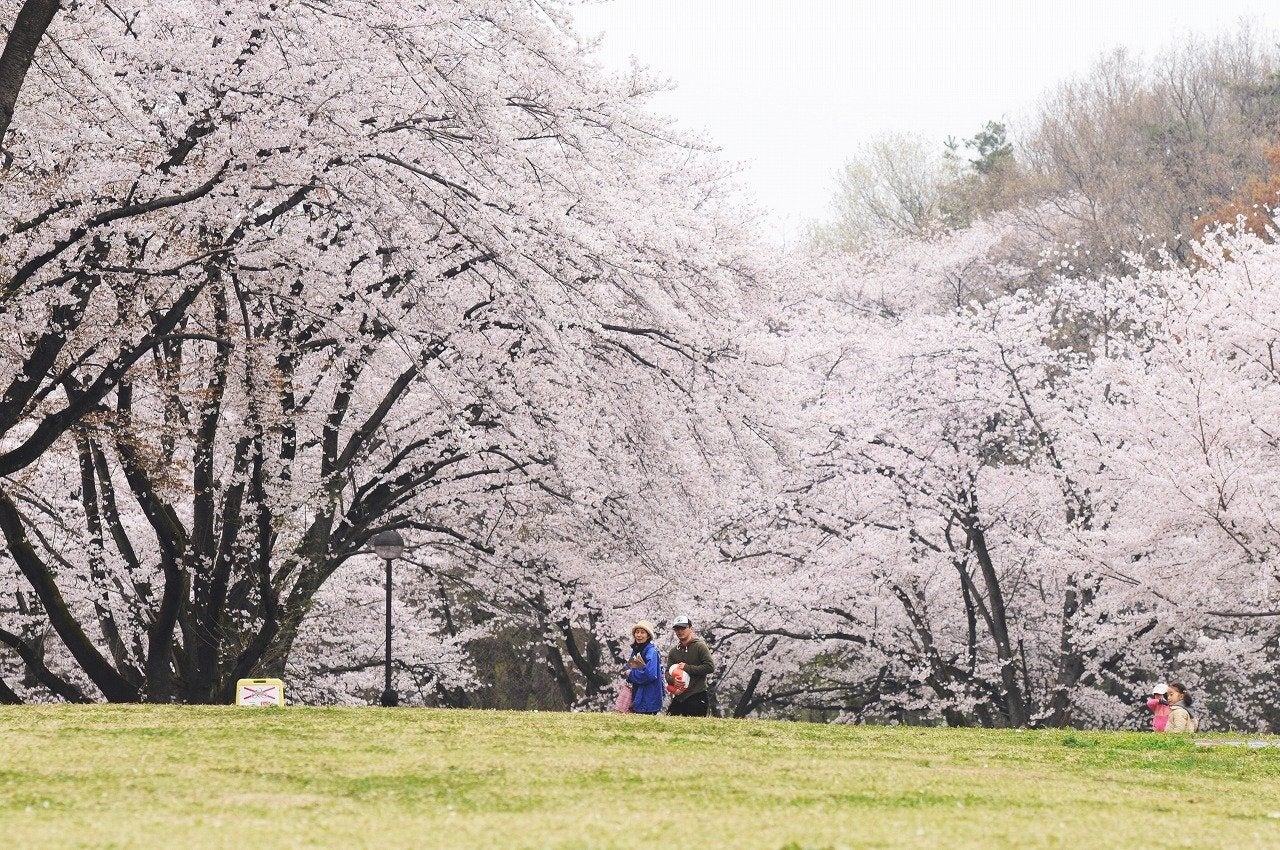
(7, 695)
(560, 672)
(39, 672)
(1071, 664)
(19, 51)
(1014, 708)
(745, 704)
(114, 686)
(595, 680)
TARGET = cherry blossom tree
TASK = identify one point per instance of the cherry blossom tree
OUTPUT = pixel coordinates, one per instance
(277, 276)
(972, 532)
(342, 268)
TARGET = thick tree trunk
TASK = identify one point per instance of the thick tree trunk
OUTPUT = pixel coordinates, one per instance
(746, 704)
(269, 651)
(1071, 662)
(114, 686)
(1015, 710)
(560, 672)
(1070, 665)
(19, 51)
(7, 694)
(596, 682)
(39, 673)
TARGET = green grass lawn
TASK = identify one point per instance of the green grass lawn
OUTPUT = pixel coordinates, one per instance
(109, 776)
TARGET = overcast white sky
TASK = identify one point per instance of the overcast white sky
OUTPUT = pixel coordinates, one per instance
(792, 87)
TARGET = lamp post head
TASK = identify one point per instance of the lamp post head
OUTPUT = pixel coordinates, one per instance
(388, 544)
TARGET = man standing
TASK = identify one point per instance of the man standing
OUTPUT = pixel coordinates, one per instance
(694, 658)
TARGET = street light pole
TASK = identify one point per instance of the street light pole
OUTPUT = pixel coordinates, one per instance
(388, 545)
(389, 697)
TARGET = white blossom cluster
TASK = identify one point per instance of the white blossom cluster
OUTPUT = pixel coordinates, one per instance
(277, 276)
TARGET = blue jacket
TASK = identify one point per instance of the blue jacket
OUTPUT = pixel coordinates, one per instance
(647, 681)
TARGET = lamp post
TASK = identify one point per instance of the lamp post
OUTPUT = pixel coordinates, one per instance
(388, 545)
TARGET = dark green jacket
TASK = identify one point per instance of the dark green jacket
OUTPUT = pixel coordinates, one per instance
(697, 663)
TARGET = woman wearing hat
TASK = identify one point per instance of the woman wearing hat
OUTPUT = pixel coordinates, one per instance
(644, 671)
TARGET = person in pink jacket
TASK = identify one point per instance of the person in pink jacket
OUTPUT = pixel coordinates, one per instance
(1159, 707)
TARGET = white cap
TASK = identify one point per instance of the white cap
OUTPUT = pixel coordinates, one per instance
(1161, 688)
(682, 620)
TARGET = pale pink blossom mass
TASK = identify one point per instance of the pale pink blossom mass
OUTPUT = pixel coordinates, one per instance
(277, 276)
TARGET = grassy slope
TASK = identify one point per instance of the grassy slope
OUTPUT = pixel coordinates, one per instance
(224, 777)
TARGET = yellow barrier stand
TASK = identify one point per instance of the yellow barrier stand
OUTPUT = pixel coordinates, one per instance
(259, 692)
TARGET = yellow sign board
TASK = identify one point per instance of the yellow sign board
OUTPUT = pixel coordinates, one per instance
(260, 692)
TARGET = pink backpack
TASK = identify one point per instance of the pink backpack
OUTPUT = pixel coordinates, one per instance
(623, 703)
